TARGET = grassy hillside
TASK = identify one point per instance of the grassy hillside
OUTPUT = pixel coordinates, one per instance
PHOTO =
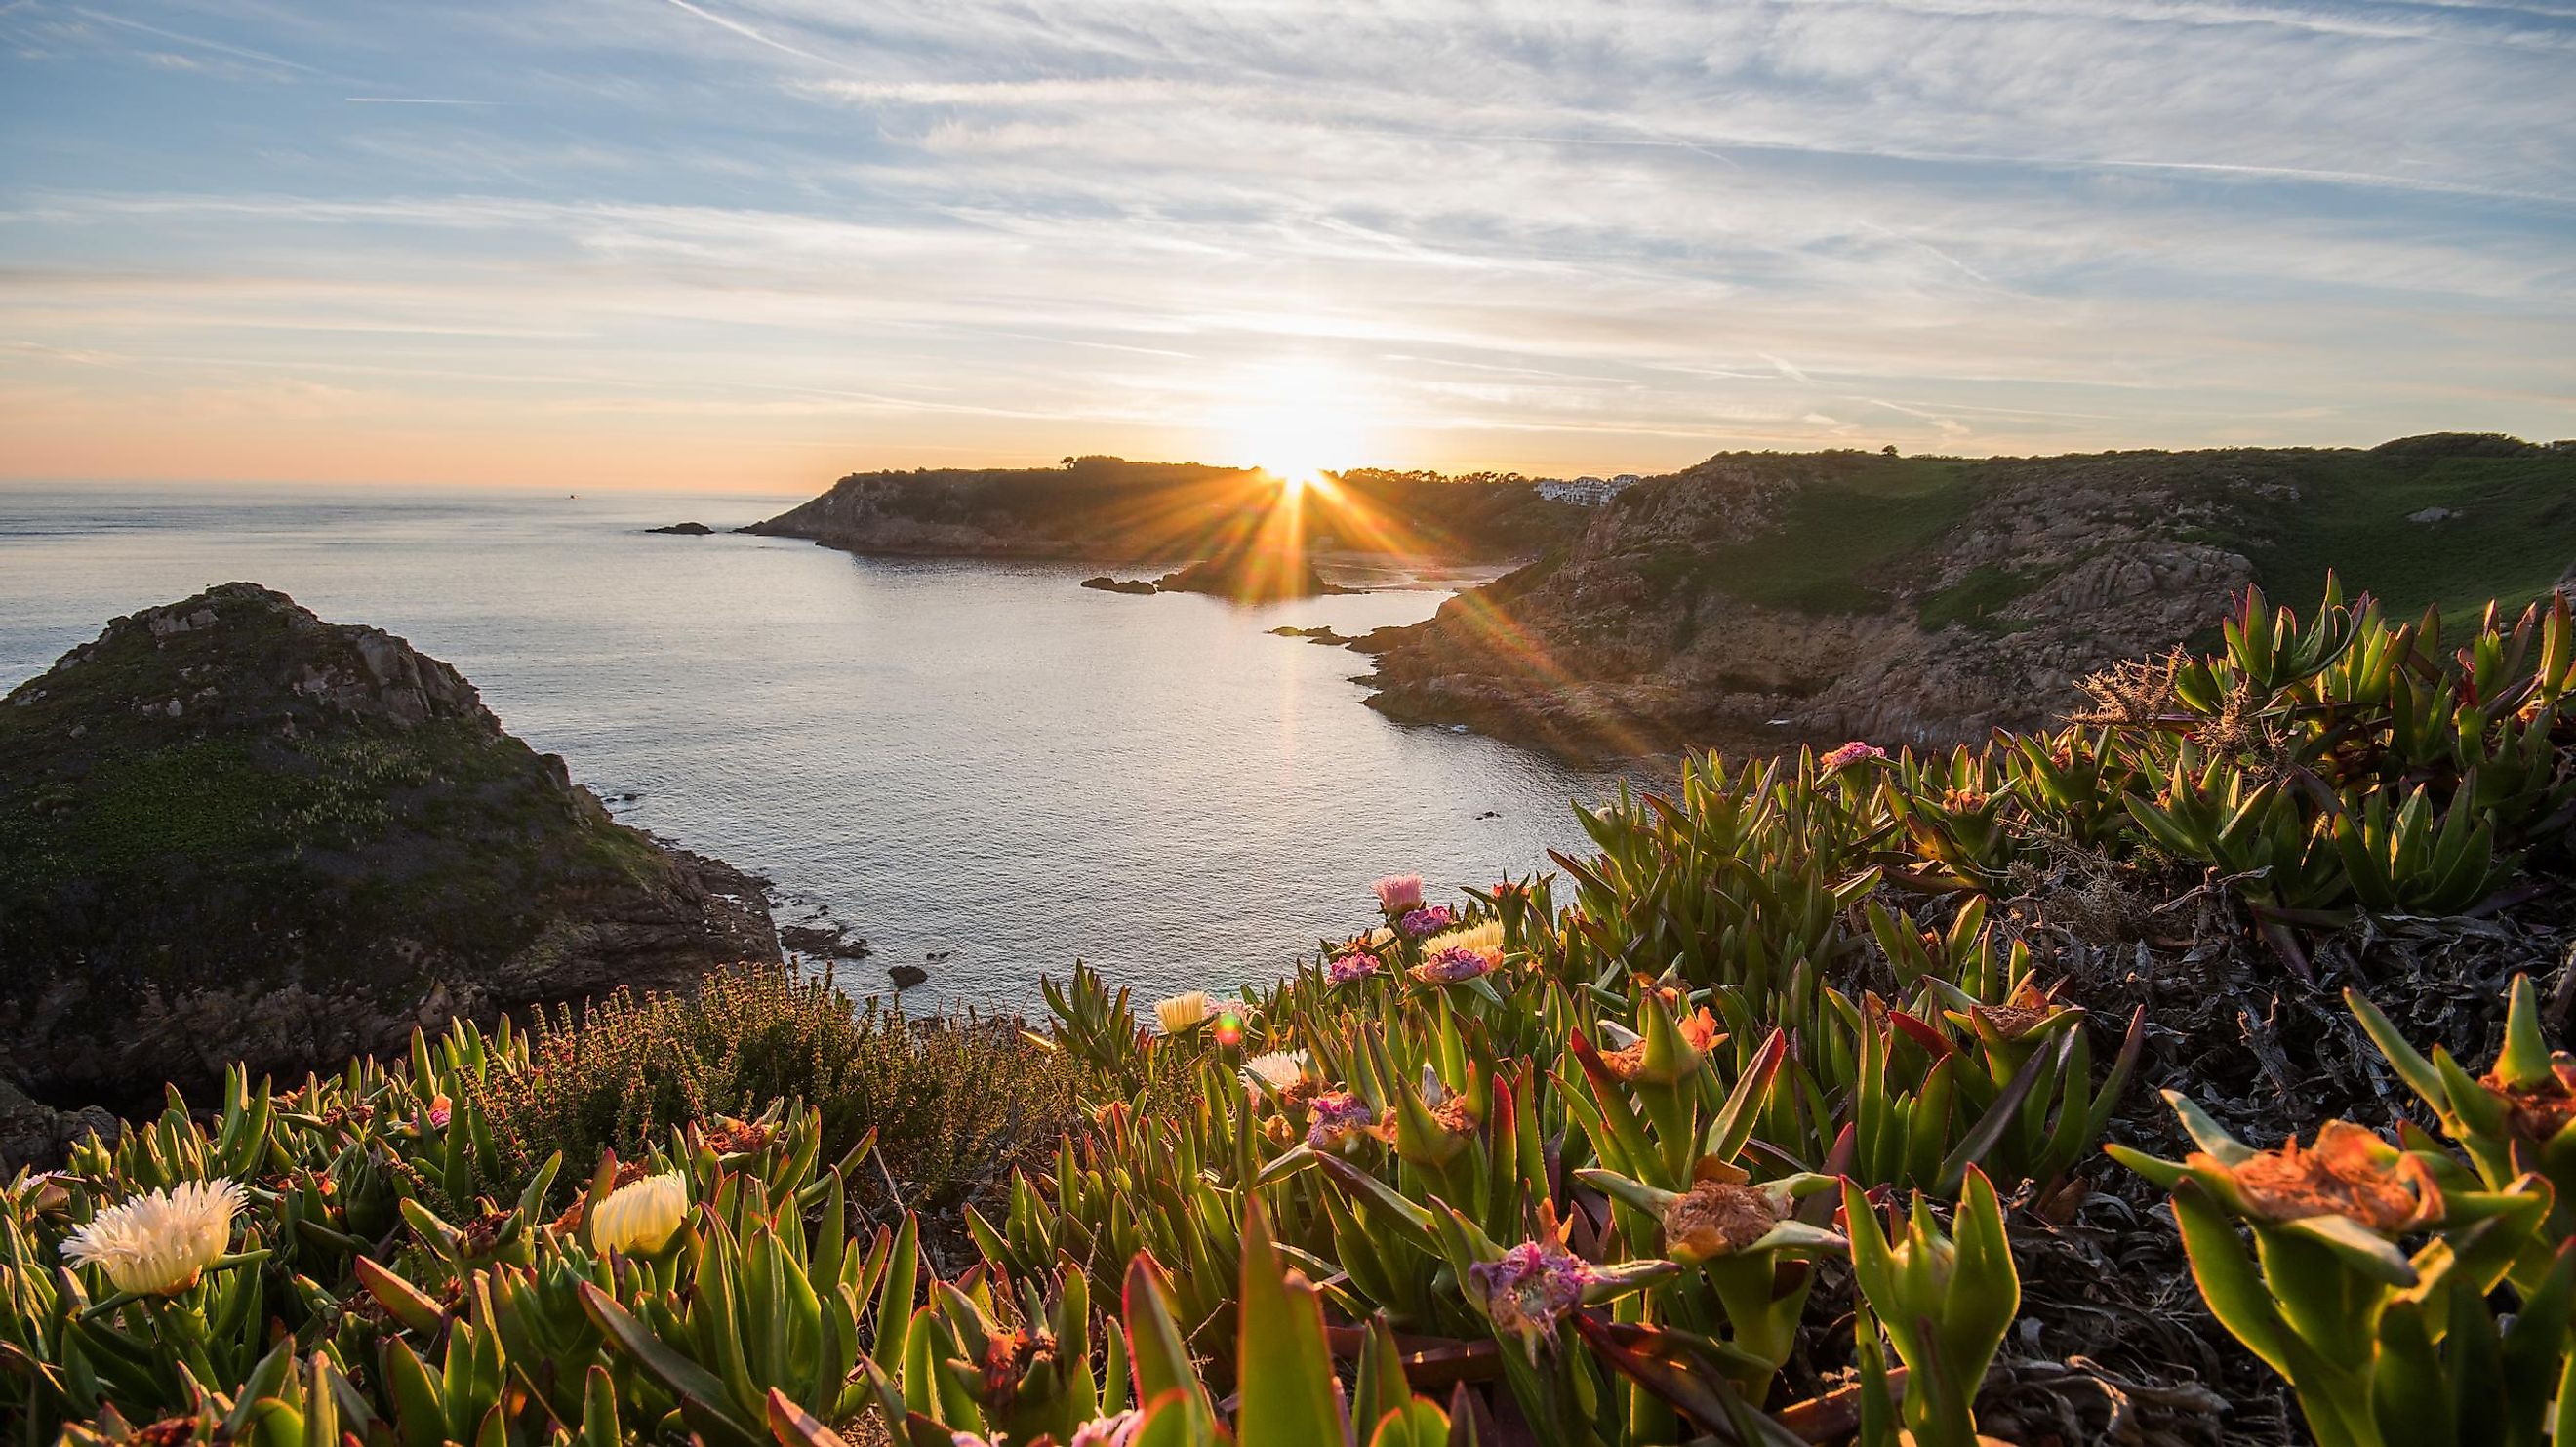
(1847, 544)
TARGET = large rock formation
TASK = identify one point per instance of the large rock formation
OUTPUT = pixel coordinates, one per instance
(230, 830)
(1757, 601)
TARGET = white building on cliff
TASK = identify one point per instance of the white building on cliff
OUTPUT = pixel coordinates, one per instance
(1586, 491)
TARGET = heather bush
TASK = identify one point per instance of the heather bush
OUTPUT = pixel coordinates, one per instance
(954, 1103)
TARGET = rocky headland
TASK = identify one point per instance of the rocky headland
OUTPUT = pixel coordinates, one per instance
(231, 830)
(1757, 601)
(1183, 517)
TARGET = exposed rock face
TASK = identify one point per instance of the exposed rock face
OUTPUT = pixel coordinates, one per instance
(694, 530)
(1758, 601)
(229, 830)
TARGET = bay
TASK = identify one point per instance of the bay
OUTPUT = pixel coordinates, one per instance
(963, 758)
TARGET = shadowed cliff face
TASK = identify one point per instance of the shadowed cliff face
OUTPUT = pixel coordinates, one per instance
(1136, 513)
(231, 830)
(1756, 602)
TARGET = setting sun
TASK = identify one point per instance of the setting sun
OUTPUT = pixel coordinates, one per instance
(1298, 420)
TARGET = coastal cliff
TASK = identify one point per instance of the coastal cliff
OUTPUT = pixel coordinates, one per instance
(1758, 601)
(230, 830)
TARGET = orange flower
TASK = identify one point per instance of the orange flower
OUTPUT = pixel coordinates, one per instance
(2349, 1172)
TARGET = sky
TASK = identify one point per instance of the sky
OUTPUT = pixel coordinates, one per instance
(760, 243)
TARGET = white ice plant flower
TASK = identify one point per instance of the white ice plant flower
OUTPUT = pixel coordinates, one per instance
(1278, 1069)
(1181, 1012)
(640, 1216)
(159, 1243)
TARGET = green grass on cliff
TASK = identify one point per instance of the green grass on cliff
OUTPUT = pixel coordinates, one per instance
(1837, 539)
(1872, 527)
(2515, 533)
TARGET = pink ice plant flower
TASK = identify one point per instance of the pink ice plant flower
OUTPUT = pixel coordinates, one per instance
(1853, 753)
(1357, 965)
(1399, 892)
(1526, 1292)
(1432, 920)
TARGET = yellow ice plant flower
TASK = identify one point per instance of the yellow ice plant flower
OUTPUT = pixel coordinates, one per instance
(1486, 938)
(641, 1216)
(159, 1243)
(1182, 1012)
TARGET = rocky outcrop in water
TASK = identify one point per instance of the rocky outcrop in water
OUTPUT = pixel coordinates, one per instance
(230, 830)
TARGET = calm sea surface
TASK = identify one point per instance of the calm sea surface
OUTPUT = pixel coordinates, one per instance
(972, 757)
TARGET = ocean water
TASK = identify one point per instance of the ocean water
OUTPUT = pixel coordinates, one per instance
(969, 758)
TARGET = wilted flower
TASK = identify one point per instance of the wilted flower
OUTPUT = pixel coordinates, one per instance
(1278, 1069)
(1717, 1218)
(1398, 893)
(1355, 965)
(1182, 1012)
(1429, 920)
(440, 1111)
(2537, 1110)
(1526, 1292)
(2349, 1172)
(731, 1137)
(2025, 1010)
(641, 1217)
(1339, 1119)
(160, 1242)
(1854, 752)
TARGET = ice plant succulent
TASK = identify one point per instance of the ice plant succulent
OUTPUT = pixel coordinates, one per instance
(1739, 1234)
(2519, 1116)
(2328, 1300)
(640, 1217)
(1944, 1300)
(159, 1243)
(1183, 1012)
(2349, 1191)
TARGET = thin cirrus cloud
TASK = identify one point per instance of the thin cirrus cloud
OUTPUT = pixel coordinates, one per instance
(760, 241)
